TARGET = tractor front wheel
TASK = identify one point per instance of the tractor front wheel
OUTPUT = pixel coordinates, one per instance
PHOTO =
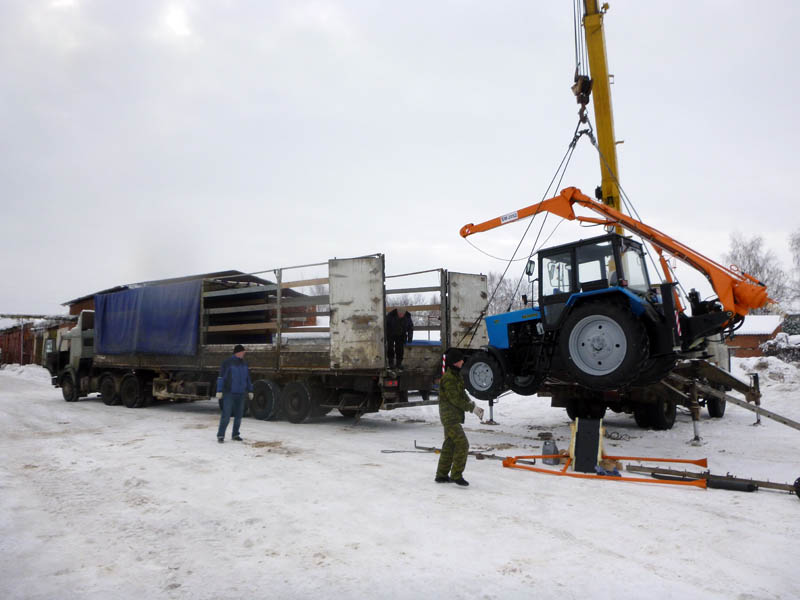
(483, 376)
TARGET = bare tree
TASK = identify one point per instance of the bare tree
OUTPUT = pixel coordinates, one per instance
(753, 258)
(502, 293)
(794, 246)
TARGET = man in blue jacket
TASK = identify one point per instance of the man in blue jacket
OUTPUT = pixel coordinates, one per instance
(232, 385)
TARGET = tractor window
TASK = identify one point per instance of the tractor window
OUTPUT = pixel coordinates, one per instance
(557, 274)
(635, 270)
(595, 263)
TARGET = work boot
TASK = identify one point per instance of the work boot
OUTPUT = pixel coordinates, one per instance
(221, 440)
(440, 479)
(238, 438)
(461, 481)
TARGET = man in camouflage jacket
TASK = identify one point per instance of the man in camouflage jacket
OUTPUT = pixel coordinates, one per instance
(453, 403)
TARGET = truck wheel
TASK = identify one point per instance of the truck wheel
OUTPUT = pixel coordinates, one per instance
(296, 401)
(716, 406)
(108, 390)
(527, 385)
(641, 414)
(266, 399)
(662, 414)
(68, 388)
(603, 345)
(130, 391)
(483, 376)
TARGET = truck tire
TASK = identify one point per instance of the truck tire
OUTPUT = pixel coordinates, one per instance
(130, 391)
(641, 414)
(483, 376)
(716, 406)
(662, 414)
(527, 385)
(108, 390)
(296, 401)
(603, 345)
(69, 390)
(266, 400)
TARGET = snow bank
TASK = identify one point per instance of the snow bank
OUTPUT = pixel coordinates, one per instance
(771, 370)
(32, 372)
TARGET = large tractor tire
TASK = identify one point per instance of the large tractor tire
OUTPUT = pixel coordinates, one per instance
(296, 399)
(265, 404)
(603, 345)
(655, 369)
(483, 376)
(108, 390)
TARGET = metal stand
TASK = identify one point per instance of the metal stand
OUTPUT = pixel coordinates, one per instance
(491, 420)
(694, 407)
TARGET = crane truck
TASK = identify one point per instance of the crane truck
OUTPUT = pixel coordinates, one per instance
(603, 335)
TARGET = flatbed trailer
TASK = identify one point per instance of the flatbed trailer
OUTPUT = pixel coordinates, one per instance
(299, 367)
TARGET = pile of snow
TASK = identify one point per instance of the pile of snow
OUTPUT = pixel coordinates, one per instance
(783, 346)
(33, 372)
(771, 370)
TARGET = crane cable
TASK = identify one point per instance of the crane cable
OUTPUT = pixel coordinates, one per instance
(562, 169)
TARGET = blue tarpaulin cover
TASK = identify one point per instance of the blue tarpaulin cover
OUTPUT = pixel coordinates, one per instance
(158, 319)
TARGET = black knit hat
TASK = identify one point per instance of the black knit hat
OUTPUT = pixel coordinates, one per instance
(238, 348)
(452, 356)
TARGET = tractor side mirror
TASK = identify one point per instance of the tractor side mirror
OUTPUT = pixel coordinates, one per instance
(530, 268)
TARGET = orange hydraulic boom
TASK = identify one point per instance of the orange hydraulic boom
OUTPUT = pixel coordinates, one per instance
(738, 292)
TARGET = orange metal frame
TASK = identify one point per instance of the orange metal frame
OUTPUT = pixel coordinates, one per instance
(738, 292)
(511, 463)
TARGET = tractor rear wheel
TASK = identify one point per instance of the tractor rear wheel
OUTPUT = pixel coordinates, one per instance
(603, 345)
(483, 376)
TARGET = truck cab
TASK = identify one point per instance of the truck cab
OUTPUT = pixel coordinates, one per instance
(70, 363)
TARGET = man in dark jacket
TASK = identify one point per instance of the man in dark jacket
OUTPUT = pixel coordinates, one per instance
(399, 330)
(453, 403)
(232, 385)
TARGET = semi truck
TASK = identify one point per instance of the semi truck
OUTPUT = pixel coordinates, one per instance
(313, 344)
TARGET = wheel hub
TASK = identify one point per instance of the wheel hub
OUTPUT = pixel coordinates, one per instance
(597, 345)
(480, 376)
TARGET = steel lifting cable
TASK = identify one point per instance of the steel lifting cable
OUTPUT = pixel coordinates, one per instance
(562, 167)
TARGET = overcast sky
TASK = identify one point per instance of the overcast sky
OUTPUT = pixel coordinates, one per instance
(150, 139)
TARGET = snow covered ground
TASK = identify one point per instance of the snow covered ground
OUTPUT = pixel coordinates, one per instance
(108, 502)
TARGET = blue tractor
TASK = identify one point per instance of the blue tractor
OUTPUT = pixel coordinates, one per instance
(598, 323)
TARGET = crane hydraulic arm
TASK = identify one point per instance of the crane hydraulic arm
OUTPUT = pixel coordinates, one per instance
(738, 292)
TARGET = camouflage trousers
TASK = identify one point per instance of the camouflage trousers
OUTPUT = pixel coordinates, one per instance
(454, 452)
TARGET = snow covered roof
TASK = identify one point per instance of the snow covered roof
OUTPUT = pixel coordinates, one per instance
(760, 325)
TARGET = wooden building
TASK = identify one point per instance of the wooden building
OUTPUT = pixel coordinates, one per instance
(755, 330)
